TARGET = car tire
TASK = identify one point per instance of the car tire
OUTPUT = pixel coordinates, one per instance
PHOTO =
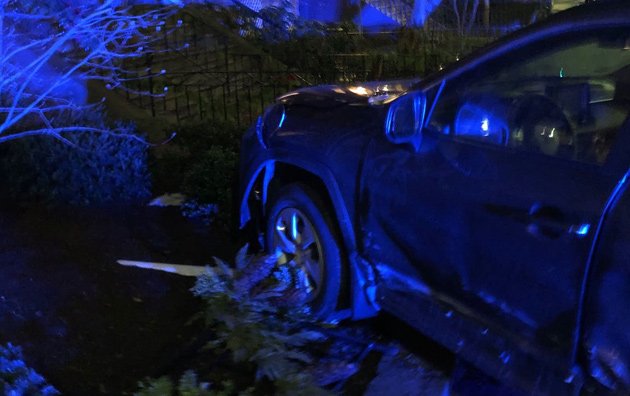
(293, 209)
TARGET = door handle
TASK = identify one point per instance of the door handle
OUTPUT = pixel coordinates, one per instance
(541, 220)
(581, 230)
(551, 222)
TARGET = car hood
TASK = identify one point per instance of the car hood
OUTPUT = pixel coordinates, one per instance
(367, 93)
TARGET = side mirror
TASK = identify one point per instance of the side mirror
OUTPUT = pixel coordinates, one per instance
(405, 119)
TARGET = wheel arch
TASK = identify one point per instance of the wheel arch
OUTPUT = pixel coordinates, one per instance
(273, 174)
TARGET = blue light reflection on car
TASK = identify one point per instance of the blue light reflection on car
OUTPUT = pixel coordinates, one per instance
(294, 226)
(583, 230)
(284, 114)
(475, 121)
(485, 125)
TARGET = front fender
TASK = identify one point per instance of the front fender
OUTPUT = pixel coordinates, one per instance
(362, 282)
(265, 172)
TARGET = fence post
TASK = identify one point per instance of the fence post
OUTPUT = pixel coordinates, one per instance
(194, 32)
(184, 38)
(126, 83)
(364, 62)
(225, 117)
(426, 54)
(176, 105)
(164, 100)
(139, 91)
(287, 74)
(260, 78)
(165, 34)
(249, 102)
(404, 70)
(199, 102)
(187, 99)
(212, 109)
(227, 67)
(238, 107)
(151, 97)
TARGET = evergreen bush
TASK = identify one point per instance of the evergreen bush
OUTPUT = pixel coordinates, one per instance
(90, 168)
(16, 378)
(201, 162)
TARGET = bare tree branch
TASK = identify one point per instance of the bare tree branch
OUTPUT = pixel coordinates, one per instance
(465, 18)
(47, 56)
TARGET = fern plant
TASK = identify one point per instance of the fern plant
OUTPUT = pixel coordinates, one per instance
(256, 313)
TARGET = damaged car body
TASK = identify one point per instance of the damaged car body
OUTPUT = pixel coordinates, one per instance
(486, 205)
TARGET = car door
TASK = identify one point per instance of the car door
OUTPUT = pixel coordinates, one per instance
(497, 210)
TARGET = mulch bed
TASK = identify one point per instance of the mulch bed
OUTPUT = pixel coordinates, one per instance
(89, 325)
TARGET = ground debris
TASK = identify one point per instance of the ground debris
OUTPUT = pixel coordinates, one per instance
(332, 371)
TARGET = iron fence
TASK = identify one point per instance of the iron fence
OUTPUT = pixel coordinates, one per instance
(199, 74)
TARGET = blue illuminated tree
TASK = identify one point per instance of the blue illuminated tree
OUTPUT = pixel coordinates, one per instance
(50, 49)
(466, 13)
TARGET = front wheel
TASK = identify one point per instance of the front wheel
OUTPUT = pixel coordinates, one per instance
(298, 224)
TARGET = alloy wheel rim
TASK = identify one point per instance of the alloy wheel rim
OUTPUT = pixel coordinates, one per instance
(298, 242)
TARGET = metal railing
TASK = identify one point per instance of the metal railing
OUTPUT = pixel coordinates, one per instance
(210, 75)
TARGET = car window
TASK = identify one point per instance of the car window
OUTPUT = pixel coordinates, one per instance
(566, 97)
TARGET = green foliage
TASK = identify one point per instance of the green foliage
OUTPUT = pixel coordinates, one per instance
(205, 212)
(188, 385)
(197, 138)
(211, 177)
(89, 168)
(272, 24)
(281, 24)
(315, 53)
(259, 322)
(258, 316)
(162, 386)
(18, 379)
(201, 162)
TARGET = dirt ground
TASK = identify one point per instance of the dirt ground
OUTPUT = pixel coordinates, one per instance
(87, 324)
(91, 326)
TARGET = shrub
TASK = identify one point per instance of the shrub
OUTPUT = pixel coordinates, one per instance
(197, 138)
(260, 325)
(18, 379)
(211, 177)
(205, 212)
(201, 162)
(188, 385)
(91, 168)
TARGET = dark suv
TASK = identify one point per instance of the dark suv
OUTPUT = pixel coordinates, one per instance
(486, 205)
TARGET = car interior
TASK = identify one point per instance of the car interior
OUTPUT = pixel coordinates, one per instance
(567, 103)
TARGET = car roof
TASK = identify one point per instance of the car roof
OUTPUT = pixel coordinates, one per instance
(601, 13)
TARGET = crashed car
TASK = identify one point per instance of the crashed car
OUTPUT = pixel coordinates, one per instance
(486, 205)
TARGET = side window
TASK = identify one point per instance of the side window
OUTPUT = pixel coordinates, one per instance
(566, 97)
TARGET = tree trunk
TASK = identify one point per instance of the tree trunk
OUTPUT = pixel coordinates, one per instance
(473, 16)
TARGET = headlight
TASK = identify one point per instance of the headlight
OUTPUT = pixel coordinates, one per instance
(270, 122)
